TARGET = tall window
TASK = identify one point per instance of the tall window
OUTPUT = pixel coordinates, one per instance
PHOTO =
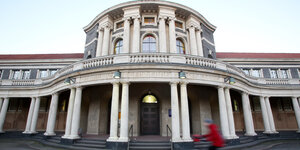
(26, 74)
(149, 44)
(255, 73)
(118, 47)
(273, 73)
(246, 71)
(52, 71)
(180, 47)
(43, 73)
(16, 74)
(284, 73)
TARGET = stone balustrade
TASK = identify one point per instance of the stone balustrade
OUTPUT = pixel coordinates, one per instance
(158, 58)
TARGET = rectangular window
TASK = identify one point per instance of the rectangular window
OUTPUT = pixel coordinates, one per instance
(120, 25)
(178, 24)
(1, 74)
(255, 73)
(16, 74)
(284, 73)
(43, 73)
(26, 74)
(149, 20)
(273, 73)
(246, 71)
(52, 71)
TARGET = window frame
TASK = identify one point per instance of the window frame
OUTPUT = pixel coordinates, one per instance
(276, 71)
(145, 42)
(116, 25)
(146, 16)
(120, 47)
(183, 46)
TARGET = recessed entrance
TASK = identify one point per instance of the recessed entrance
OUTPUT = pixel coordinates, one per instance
(149, 115)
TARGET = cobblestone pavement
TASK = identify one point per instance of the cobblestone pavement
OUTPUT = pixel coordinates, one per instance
(18, 144)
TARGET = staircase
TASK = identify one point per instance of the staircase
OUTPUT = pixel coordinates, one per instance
(202, 145)
(90, 143)
(150, 145)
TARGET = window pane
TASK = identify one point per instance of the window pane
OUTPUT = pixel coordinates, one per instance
(120, 24)
(26, 74)
(284, 74)
(53, 71)
(43, 73)
(152, 47)
(118, 47)
(255, 73)
(149, 20)
(235, 105)
(273, 73)
(246, 71)
(16, 74)
(149, 44)
(178, 24)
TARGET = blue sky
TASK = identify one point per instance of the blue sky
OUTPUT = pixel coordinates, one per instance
(55, 26)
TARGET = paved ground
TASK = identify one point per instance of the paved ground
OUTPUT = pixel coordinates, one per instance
(17, 144)
(275, 145)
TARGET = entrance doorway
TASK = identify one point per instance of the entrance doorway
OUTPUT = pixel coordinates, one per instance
(149, 115)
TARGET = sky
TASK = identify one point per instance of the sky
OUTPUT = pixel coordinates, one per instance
(56, 26)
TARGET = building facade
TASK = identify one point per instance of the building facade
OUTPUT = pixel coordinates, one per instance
(149, 66)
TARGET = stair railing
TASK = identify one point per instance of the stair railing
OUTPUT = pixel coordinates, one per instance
(169, 130)
(130, 132)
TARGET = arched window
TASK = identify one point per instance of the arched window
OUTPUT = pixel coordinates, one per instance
(118, 48)
(149, 44)
(180, 46)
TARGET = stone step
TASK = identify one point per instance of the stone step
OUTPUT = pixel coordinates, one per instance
(53, 140)
(96, 142)
(100, 146)
(149, 148)
(149, 144)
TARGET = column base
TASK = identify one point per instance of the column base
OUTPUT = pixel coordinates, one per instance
(74, 137)
(298, 131)
(178, 139)
(267, 132)
(187, 139)
(29, 132)
(117, 145)
(49, 134)
(2, 131)
(182, 145)
(112, 139)
(234, 137)
(250, 134)
(123, 139)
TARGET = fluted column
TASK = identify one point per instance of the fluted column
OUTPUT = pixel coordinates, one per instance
(99, 42)
(296, 110)
(124, 112)
(70, 113)
(223, 113)
(76, 114)
(3, 113)
(126, 36)
(136, 35)
(175, 113)
(185, 119)
(35, 115)
(114, 113)
(264, 115)
(172, 36)
(270, 115)
(199, 42)
(162, 35)
(247, 115)
(29, 117)
(230, 114)
(105, 43)
(52, 115)
(193, 40)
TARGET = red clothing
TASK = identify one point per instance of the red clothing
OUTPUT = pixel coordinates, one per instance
(214, 136)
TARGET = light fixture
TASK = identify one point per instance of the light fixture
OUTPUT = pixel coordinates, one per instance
(117, 75)
(70, 80)
(181, 75)
(230, 79)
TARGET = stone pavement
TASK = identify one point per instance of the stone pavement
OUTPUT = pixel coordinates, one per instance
(20, 144)
(274, 145)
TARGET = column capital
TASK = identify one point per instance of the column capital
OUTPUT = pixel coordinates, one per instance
(115, 82)
(183, 82)
(162, 17)
(106, 25)
(174, 82)
(125, 82)
(136, 17)
(220, 87)
(226, 87)
(100, 28)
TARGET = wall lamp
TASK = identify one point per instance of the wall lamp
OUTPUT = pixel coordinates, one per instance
(70, 80)
(117, 75)
(230, 79)
(181, 75)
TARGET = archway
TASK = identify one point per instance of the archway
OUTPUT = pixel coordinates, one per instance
(149, 115)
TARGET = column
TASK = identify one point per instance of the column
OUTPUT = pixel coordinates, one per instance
(175, 113)
(185, 118)
(172, 36)
(193, 40)
(136, 35)
(3, 113)
(70, 113)
(76, 114)
(264, 114)
(230, 114)
(52, 115)
(1, 101)
(199, 42)
(114, 113)
(124, 112)
(126, 36)
(29, 117)
(296, 109)
(223, 113)
(162, 35)
(35, 115)
(270, 115)
(105, 43)
(99, 42)
(247, 115)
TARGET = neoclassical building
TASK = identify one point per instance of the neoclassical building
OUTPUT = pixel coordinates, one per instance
(149, 67)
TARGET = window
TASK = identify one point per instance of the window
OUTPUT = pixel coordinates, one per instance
(255, 73)
(284, 73)
(149, 20)
(44, 104)
(149, 44)
(52, 71)
(256, 104)
(273, 73)
(16, 74)
(287, 104)
(246, 71)
(26, 74)
(1, 74)
(15, 105)
(120, 25)
(178, 24)
(43, 73)
(180, 47)
(118, 48)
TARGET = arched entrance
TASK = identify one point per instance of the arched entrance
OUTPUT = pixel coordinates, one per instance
(149, 115)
